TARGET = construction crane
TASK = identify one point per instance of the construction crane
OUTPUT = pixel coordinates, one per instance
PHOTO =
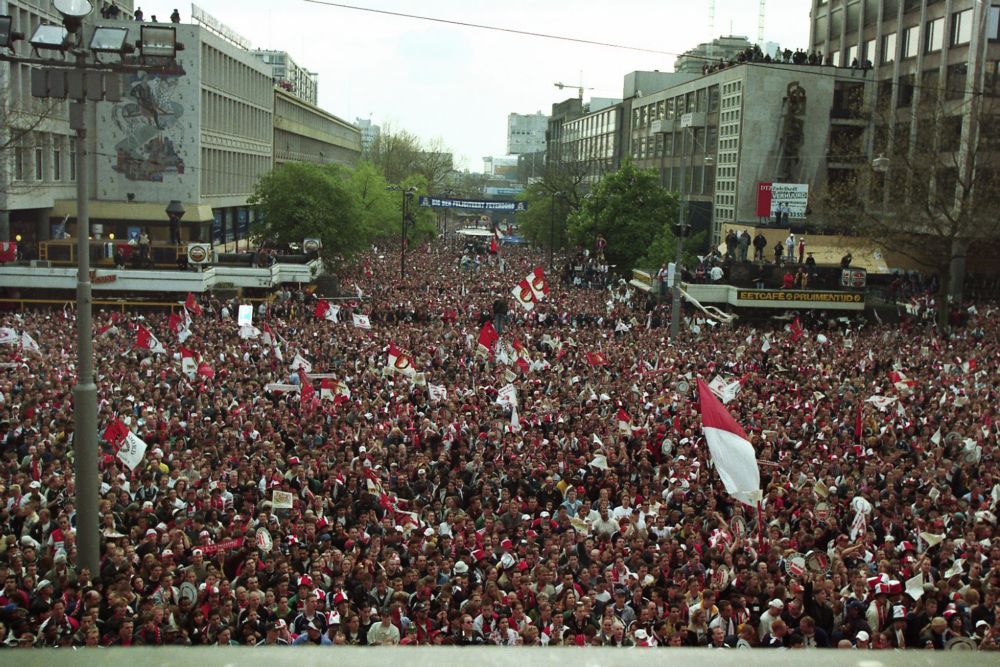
(760, 24)
(579, 89)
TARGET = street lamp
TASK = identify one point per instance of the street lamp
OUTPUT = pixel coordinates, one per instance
(79, 80)
(552, 229)
(680, 233)
(407, 196)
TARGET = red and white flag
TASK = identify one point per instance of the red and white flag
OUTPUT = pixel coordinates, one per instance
(28, 343)
(731, 451)
(116, 432)
(206, 371)
(9, 336)
(488, 337)
(300, 363)
(327, 311)
(624, 421)
(8, 251)
(524, 295)
(191, 304)
(334, 390)
(521, 356)
(361, 321)
(400, 362)
(308, 392)
(796, 329)
(189, 363)
(597, 359)
(145, 340)
(539, 285)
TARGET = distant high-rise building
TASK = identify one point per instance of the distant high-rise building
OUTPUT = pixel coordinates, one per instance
(288, 75)
(369, 133)
(526, 133)
(693, 60)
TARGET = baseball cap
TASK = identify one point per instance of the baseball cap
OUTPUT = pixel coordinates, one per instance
(776, 603)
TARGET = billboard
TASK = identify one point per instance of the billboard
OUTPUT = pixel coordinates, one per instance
(791, 199)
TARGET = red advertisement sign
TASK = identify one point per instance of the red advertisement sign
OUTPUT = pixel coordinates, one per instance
(763, 200)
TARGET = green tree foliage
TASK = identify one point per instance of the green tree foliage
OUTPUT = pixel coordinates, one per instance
(632, 211)
(299, 200)
(560, 191)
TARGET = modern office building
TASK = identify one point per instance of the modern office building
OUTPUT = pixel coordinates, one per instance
(369, 133)
(592, 143)
(289, 75)
(723, 48)
(716, 137)
(305, 133)
(526, 133)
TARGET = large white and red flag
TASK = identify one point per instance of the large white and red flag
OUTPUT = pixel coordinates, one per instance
(522, 357)
(327, 311)
(400, 362)
(524, 295)
(732, 453)
(145, 340)
(191, 304)
(189, 362)
(539, 285)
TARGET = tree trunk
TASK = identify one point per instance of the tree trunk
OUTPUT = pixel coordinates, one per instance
(951, 291)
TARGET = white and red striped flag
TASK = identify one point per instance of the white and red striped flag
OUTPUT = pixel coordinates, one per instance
(732, 453)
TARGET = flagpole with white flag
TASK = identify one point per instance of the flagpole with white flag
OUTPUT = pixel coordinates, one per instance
(732, 453)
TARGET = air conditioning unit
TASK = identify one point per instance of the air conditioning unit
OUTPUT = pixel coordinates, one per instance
(199, 253)
(41, 264)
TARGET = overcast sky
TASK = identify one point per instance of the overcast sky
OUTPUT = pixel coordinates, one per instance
(459, 83)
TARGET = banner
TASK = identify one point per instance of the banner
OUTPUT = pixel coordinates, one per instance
(282, 500)
(477, 204)
(210, 549)
(507, 396)
(790, 199)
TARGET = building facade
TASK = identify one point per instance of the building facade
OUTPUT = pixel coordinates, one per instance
(305, 133)
(289, 75)
(592, 143)
(369, 133)
(526, 133)
(714, 138)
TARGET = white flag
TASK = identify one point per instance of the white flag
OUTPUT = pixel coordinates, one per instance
(249, 331)
(300, 362)
(437, 392)
(515, 423)
(282, 500)
(507, 395)
(766, 345)
(132, 450)
(279, 387)
(28, 343)
(361, 321)
(8, 336)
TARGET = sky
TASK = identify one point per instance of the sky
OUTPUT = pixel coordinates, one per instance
(459, 83)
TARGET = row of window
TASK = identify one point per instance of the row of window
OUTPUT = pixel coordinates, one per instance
(230, 115)
(45, 158)
(701, 100)
(591, 125)
(236, 78)
(231, 173)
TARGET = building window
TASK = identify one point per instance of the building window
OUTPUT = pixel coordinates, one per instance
(852, 55)
(57, 165)
(888, 48)
(911, 42)
(961, 27)
(39, 164)
(869, 54)
(19, 164)
(993, 23)
(934, 36)
(72, 165)
(955, 84)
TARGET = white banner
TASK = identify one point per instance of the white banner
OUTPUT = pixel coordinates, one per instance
(507, 396)
(790, 198)
(300, 362)
(278, 387)
(361, 321)
(244, 317)
(437, 392)
(132, 451)
(282, 500)
(8, 336)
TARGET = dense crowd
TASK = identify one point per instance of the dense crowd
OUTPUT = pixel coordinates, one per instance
(590, 514)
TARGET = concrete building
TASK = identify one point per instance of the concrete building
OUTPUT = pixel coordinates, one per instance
(723, 48)
(526, 133)
(639, 83)
(592, 143)
(369, 133)
(203, 138)
(562, 112)
(504, 167)
(305, 133)
(289, 76)
(716, 137)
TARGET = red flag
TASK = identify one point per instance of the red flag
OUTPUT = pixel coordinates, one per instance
(192, 304)
(8, 251)
(145, 340)
(175, 323)
(116, 432)
(797, 330)
(539, 285)
(597, 359)
(494, 247)
(522, 356)
(205, 370)
(308, 392)
(488, 337)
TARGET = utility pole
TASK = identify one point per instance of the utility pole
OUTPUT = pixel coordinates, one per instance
(679, 234)
(552, 230)
(407, 196)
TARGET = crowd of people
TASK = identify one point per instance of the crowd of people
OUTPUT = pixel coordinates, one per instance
(354, 501)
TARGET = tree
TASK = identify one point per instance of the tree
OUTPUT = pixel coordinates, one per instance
(399, 154)
(560, 190)
(300, 200)
(631, 210)
(930, 195)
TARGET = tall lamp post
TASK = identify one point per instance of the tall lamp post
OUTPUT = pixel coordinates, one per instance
(680, 232)
(552, 230)
(80, 79)
(404, 218)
